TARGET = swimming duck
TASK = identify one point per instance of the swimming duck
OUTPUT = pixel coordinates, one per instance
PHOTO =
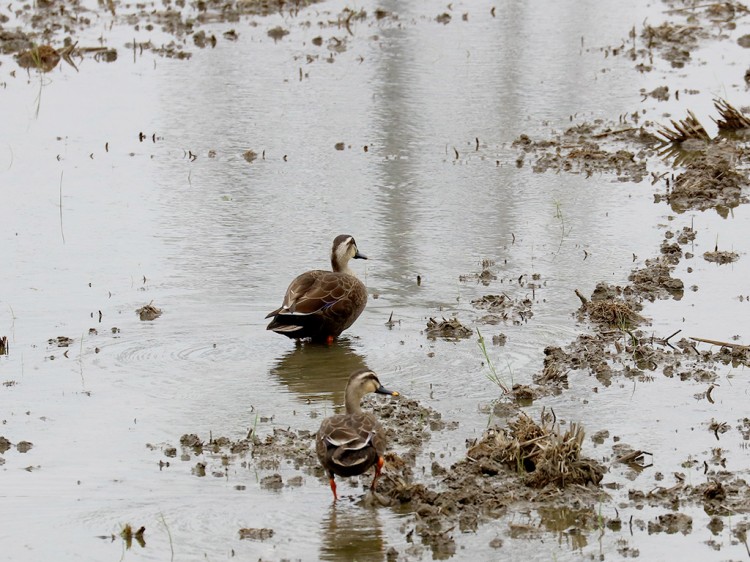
(349, 444)
(321, 304)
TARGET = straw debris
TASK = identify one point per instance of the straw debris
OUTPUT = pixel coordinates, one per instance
(688, 128)
(731, 118)
(542, 453)
(451, 329)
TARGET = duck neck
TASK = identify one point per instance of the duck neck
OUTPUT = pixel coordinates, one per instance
(352, 403)
(340, 267)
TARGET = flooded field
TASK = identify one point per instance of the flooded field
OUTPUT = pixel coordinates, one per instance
(500, 164)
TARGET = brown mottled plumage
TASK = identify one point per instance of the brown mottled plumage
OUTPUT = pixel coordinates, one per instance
(349, 444)
(321, 304)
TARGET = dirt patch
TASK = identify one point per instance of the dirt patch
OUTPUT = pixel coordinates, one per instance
(485, 276)
(526, 462)
(711, 180)
(503, 308)
(408, 426)
(721, 256)
(256, 534)
(611, 307)
(655, 281)
(579, 150)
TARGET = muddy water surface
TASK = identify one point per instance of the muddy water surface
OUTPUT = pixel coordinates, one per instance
(128, 182)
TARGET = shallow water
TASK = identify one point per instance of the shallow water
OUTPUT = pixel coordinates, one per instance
(96, 221)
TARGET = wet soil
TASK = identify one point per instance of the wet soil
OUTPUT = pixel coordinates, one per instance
(519, 463)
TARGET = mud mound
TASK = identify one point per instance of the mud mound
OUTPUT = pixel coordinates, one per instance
(542, 454)
(710, 180)
(503, 308)
(579, 151)
(524, 463)
(611, 307)
(655, 281)
(448, 329)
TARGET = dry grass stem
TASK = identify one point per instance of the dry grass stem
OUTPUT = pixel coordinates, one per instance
(688, 128)
(731, 118)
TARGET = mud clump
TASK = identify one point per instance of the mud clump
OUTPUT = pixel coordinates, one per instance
(60, 341)
(504, 308)
(42, 57)
(674, 42)
(710, 180)
(523, 463)
(485, 276)
(448, 329)
(611, 307)
(148, 312)
(578, 151)
(721, 257)
(256, 534)
(655, 281)
(671, 523)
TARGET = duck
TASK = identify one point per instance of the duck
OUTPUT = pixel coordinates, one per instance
(349, 444)
(318, 304)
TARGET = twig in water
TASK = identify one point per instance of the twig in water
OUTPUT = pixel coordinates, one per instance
(169, 534)
(61, 220)
(721, 343)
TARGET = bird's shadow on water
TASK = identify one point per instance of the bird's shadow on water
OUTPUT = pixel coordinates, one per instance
(317, 372)
(349, 532)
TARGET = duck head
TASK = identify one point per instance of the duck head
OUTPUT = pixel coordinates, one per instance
(360, 383)
(344, 249)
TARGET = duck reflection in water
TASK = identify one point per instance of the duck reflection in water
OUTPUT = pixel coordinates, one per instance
(318, 373)
(349, 532)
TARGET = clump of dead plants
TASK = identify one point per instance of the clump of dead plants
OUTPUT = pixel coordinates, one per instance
(731, 118)
(688, 128)
(149, 312)
(542, 453)
(451, 329)
(610, 312)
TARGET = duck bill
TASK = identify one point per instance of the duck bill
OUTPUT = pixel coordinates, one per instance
(384, 390)
(360, 256)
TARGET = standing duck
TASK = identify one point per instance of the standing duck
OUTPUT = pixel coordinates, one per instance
(321, 304)
(349, 444)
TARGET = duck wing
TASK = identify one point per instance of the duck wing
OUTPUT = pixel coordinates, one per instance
(307, 294)
(349, 444)
(317, 291)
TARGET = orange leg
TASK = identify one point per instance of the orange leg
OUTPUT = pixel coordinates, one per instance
(378, 469)
(330, 340)
(333, 489)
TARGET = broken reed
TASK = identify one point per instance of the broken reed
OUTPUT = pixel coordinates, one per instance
(731, 118)
(688, 128)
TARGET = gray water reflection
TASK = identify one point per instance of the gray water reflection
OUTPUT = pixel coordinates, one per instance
(318, 372)
(351, 532)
